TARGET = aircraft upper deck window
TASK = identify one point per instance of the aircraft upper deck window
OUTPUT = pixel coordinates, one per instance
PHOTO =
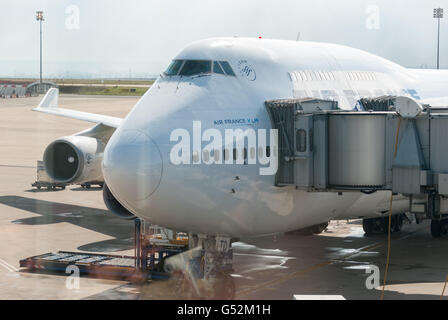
(195, 67)
(173, 68)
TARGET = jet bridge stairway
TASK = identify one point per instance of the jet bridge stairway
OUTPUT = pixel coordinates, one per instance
(323, 149)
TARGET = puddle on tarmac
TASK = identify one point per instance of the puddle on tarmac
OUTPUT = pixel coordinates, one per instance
(245, 247)
(338, 253)
(259, 259)
(69, 215)
(355, 232)
(358, 267)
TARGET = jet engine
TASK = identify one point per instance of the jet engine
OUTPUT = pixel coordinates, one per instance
(114, 206)
(74, 159)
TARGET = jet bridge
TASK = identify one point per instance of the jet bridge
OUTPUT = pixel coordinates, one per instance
(405, 149)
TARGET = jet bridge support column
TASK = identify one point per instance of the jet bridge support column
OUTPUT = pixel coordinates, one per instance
(138, 244)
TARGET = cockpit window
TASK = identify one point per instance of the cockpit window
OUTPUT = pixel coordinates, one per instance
(174, 67)
(227, 68)
(217, 68)
(197, 67)
(194, 67)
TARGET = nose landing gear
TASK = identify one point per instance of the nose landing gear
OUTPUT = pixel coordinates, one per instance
(207, 276)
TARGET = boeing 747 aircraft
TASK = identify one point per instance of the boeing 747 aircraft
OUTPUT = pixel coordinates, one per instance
(179, 159)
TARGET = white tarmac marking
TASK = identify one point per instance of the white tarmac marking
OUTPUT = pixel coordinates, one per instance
(8, 266)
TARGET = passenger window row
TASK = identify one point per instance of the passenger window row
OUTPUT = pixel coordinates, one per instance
(197, 67)
(361, 75)
(312, 76)
(329, 76)
(237, 154)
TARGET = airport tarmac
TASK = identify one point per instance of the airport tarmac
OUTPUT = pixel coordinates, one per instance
(35, 221)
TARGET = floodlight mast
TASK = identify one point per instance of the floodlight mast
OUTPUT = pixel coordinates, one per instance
(40, 18)
(438, 14)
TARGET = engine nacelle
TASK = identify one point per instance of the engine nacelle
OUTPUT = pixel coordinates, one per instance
(114, 206)
(74, 159)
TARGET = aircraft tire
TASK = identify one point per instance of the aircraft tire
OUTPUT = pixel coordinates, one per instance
(398, 222)
(393, 226)
(368, 225)
(436, 228)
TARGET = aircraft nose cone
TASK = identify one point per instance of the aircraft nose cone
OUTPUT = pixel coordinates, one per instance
(132, 166)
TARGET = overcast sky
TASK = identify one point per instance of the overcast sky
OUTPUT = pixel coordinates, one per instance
(138, 38)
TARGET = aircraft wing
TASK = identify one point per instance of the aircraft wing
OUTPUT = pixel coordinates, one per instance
(49, 104)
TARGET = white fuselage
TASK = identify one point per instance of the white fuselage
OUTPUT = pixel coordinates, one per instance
(235, 200)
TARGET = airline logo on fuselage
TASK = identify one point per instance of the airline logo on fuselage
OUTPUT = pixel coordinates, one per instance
(237, 121)
(246, 70)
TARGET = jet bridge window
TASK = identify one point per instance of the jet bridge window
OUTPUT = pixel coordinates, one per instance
(301, 140)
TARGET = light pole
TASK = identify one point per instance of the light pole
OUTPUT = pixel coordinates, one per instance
(40, 18)
(438, 14)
